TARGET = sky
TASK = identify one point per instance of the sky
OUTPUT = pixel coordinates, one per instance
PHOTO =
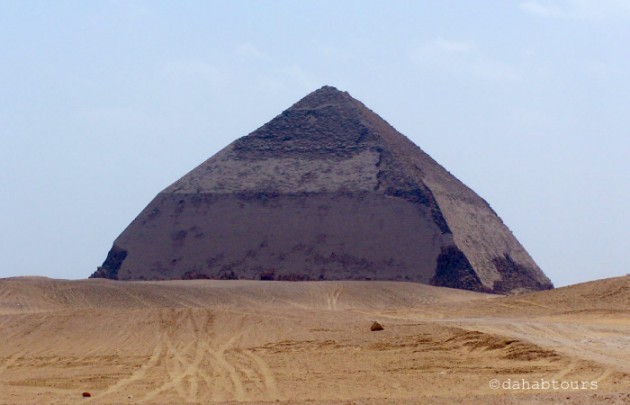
(105, 103)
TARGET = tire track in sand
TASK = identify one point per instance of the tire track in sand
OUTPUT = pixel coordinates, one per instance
(566, 370)
(180, 371)
(139, 374)
(185, 370)
(219, 357)
(269, 381)
(333, 297)
(189, 364)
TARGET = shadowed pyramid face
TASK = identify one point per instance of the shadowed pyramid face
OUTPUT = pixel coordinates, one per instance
(327, 190)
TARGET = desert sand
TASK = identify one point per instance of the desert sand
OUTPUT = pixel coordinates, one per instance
(209, 341)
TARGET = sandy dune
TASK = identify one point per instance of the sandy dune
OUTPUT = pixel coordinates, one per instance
(250, 341)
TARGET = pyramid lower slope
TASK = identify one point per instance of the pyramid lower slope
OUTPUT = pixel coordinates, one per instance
(325, 191)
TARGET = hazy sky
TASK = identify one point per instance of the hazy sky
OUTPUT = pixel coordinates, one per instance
(105, 103)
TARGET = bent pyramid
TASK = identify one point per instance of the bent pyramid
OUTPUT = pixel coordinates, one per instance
(327, 190)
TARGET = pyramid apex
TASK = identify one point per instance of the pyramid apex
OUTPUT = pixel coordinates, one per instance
(329, 89)
(325, 95)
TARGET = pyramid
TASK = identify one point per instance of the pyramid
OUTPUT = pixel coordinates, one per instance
(327, 190)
